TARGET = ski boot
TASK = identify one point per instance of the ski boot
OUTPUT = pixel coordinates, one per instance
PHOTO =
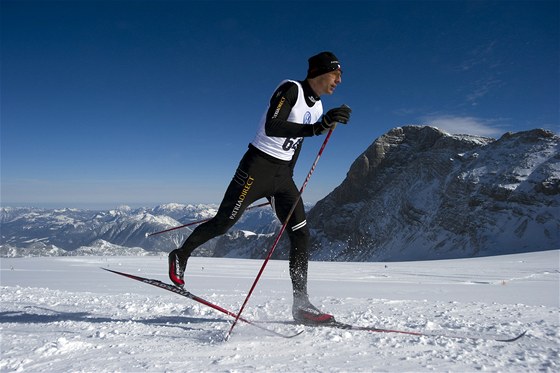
(177, 265)
(306, 313)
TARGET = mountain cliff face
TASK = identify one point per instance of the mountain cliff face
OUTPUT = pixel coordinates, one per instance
(419, 193)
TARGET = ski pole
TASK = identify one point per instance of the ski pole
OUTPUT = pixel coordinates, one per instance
(280, 233)
(198, 222)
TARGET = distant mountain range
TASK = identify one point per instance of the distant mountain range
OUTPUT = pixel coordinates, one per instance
(122, 231)
(415, 193)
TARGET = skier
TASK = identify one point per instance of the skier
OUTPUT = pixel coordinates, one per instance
(266, 170)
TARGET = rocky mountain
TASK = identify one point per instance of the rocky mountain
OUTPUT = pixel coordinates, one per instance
(419, 193)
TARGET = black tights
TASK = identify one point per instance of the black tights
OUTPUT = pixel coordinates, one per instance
(261, 176)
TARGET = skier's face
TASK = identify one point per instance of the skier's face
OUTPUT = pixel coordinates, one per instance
(327, 82)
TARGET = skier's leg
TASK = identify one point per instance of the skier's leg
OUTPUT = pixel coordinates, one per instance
(245, 187)
(298, 232)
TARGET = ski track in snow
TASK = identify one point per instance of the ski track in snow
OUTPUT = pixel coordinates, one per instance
(65, 314)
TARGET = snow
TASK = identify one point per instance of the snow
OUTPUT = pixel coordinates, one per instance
(62, 314)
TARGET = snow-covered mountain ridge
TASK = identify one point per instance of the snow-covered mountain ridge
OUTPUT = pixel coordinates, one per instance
(122, 231)
(415, 193)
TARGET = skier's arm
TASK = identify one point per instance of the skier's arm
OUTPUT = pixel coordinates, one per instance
(281, 103)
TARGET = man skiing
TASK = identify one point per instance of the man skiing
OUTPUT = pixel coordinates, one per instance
(266, 170)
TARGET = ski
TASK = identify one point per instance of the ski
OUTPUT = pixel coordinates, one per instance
(188, 294)
(443, 334)
(435, 334)
(335, 324)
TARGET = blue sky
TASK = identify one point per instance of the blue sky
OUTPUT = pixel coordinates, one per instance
(106, 103)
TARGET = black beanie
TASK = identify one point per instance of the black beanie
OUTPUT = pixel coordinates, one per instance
(322, 63)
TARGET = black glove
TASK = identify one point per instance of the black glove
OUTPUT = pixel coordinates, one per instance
(331, 118)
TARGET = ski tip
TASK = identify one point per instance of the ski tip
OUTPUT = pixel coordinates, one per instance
(514, 338)
(134, 277)
(295, 335)
(113, 271)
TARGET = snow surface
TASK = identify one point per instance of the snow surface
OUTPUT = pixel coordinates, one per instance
(65, 314)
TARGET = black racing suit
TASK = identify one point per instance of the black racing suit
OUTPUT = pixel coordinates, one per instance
(260, 175)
